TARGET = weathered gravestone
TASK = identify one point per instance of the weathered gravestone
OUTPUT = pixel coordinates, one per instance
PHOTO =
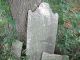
(17, 48)
(41, 31)
(46, 56)
(19, 10)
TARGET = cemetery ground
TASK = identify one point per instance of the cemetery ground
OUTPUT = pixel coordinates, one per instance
(67, 38)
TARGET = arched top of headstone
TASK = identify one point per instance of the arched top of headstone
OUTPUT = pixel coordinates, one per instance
(45, 10)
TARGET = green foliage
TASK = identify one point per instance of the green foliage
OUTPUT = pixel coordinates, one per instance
(8, 32)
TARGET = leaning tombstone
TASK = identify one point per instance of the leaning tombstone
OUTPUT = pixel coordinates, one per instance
(41, 31)
(17, 48)
(46, 56)
(19, 10)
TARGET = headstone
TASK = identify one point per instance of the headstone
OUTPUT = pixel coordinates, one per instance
(17, 48)
(19, 10)
(47, 56)
(41, 31)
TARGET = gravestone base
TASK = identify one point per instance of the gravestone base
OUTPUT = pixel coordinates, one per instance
(47, 56)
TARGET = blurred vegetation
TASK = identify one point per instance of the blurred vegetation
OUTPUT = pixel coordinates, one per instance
(7, 31)
(68, 37)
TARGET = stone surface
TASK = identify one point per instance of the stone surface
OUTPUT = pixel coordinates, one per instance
(41, 31)
(17, 48)
(19, 10)
(47, 56)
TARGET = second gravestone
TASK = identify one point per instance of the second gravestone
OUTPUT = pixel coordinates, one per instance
(41, 31)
